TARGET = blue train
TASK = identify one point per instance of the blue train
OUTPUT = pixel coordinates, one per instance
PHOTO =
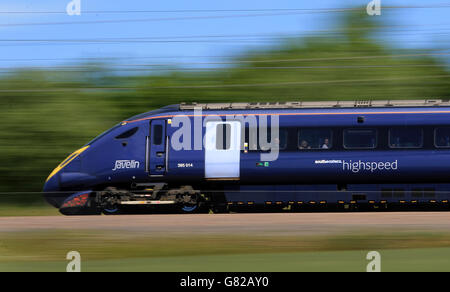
(294, 155)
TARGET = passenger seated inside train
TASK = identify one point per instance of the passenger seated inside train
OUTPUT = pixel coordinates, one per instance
(326, 144)
(304, 145)
(442, 137)
(314, 138)
(404, 137)
(444, 142)
(277, 143)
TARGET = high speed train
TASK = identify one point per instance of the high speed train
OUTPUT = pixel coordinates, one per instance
(293, 155)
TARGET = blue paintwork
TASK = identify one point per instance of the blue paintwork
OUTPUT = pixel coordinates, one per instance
(293, 171)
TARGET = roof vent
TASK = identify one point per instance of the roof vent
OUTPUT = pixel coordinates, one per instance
(362, 103)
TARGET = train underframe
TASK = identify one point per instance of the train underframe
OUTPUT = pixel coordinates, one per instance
(221, 198)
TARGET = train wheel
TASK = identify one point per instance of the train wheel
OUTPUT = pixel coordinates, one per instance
(189, 208)
(195, 208)
(190, 201)
(112, 209)
(110, 201)
(115, 211)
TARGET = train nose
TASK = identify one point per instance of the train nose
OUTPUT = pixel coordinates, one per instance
(52, 188)
(51, 191)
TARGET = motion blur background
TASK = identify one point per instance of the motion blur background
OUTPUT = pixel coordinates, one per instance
(65, 79)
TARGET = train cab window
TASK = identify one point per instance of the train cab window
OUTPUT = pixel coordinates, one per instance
(314, 139)
(128, 134)
(223, 135)
(405, 137)
(157, 134)
(360, 138)
(442, 137)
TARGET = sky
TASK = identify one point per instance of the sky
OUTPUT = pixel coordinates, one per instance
(190, 31)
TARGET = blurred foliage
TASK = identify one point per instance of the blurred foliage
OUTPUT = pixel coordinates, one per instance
(121, 250)
(47, 114)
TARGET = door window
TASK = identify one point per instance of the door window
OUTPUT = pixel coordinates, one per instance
(157, 134)
(223, 136)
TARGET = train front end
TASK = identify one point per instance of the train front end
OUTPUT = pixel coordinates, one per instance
(65, 187)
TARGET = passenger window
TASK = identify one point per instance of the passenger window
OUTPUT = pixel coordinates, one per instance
(442, 137)
(360, 138)
(280, 142)
(157, 134)
(128, 134)
(314, 139)
(405, 137)
(223, 135)
(252, 134)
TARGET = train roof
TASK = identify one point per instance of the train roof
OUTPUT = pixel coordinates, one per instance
(316, 104)
(168, 108)
(311, 105)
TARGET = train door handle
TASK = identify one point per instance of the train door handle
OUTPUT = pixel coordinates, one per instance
(160, 154)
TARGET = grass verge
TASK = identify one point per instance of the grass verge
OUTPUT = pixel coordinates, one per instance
(134, 251)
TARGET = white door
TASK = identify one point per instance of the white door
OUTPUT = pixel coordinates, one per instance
(222, 149)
